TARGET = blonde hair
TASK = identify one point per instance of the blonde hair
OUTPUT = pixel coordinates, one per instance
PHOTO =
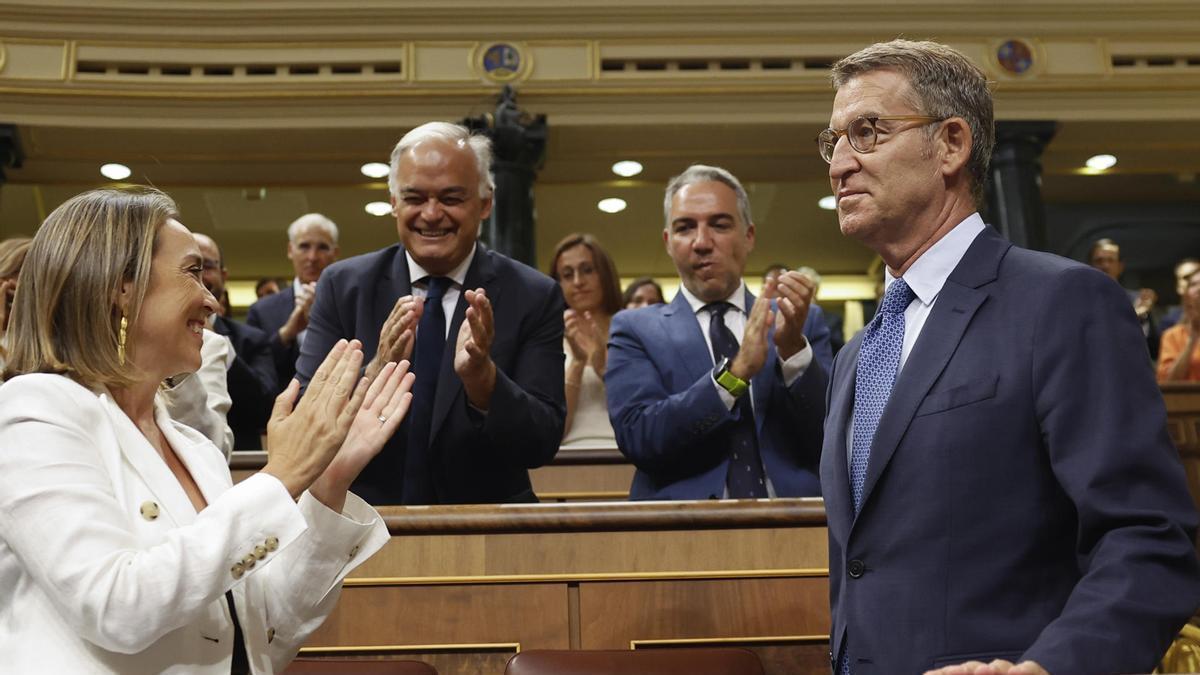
(65, 316)
(12, 255)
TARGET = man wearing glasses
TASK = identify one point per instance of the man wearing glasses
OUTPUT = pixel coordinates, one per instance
(993, 496)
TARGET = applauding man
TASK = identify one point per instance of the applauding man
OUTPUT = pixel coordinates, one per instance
(484, 334)
(719, 394)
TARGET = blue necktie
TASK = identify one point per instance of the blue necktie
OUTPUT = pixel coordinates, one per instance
(878, 364)
(745, 479)
(427, 363)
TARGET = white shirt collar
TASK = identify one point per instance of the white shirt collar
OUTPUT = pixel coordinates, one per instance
(737, 298)
(458, 274)
(928, 273)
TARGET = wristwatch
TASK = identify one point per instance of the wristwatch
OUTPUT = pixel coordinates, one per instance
(731, 383)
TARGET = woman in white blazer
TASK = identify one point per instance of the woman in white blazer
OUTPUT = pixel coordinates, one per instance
(124, 546)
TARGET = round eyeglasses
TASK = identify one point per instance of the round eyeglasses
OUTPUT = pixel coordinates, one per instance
(862, 133)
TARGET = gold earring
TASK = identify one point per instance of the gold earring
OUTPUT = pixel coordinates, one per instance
(121, 340)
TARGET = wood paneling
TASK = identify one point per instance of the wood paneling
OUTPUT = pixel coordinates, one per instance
(621, 575)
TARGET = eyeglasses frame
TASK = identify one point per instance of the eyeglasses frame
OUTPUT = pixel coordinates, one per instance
(872, 120)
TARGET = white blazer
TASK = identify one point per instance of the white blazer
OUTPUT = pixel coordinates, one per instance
(105, 567)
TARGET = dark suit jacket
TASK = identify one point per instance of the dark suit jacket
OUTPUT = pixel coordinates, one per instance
(268, 315)
(251, 380)
(1022, 497)
(671, 423)
(477, 458)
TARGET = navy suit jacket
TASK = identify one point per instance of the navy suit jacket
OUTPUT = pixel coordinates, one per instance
(252, 382)
(268, 315)
(1022, 498)
(671, 422)
(477, 458)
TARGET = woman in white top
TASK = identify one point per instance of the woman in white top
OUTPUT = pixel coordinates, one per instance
(124, 546)
(590, 285)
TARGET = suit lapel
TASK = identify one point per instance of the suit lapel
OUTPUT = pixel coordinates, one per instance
(394, 285)
(837, 422)
(956, 305)
(212, 477)
(149, 465)
(691, 351)
(480, 274)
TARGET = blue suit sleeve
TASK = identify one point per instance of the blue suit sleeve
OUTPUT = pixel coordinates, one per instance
(657, 430)
(1105, 433)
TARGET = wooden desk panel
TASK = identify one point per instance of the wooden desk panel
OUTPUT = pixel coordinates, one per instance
(465, 587)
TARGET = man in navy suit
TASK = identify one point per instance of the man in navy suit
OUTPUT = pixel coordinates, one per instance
(998, 479)
(719, 394)
(312, 246)
(484, 333)
(251, 376)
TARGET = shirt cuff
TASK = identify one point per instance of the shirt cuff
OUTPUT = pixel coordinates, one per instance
(794, 367)
(726, 397)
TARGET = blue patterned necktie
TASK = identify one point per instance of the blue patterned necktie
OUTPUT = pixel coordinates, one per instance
(745, 478)
(878, 364)
(427, 363)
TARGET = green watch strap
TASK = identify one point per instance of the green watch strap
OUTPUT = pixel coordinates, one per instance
(731, 383)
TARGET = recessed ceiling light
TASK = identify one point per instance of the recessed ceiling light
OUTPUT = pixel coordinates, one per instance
(611, 205)
(375, 169)
(115, 171)
(828, 202)
(627, 168)
(378, 208)
(1101, 162)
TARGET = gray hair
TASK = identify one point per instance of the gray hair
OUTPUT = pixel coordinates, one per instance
(701, 173)
(480, 146)
(312, 220)
(945, 84)
(811, 273)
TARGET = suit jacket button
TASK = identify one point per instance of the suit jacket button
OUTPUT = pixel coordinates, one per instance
(260, 552)
(238, 570)
(149, 510)
(272, 543)
(249, 561)
(855, 568)
(354, 552)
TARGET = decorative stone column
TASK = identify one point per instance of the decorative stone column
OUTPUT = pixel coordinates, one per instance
(519, 141)
(1014, 189)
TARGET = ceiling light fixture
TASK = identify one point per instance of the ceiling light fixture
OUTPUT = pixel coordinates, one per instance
(378, 208)
(375, 169)
(1101, 162)
(627, 168)
(611, 205)
(115, 171)
(828, 202)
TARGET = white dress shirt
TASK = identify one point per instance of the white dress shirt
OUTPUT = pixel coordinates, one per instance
(418, 275)
(925, 277)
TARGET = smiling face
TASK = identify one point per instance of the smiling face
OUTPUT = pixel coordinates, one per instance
(890, 194)
(579, 279)
(439, 209)
(707, 239)
(165, 340)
